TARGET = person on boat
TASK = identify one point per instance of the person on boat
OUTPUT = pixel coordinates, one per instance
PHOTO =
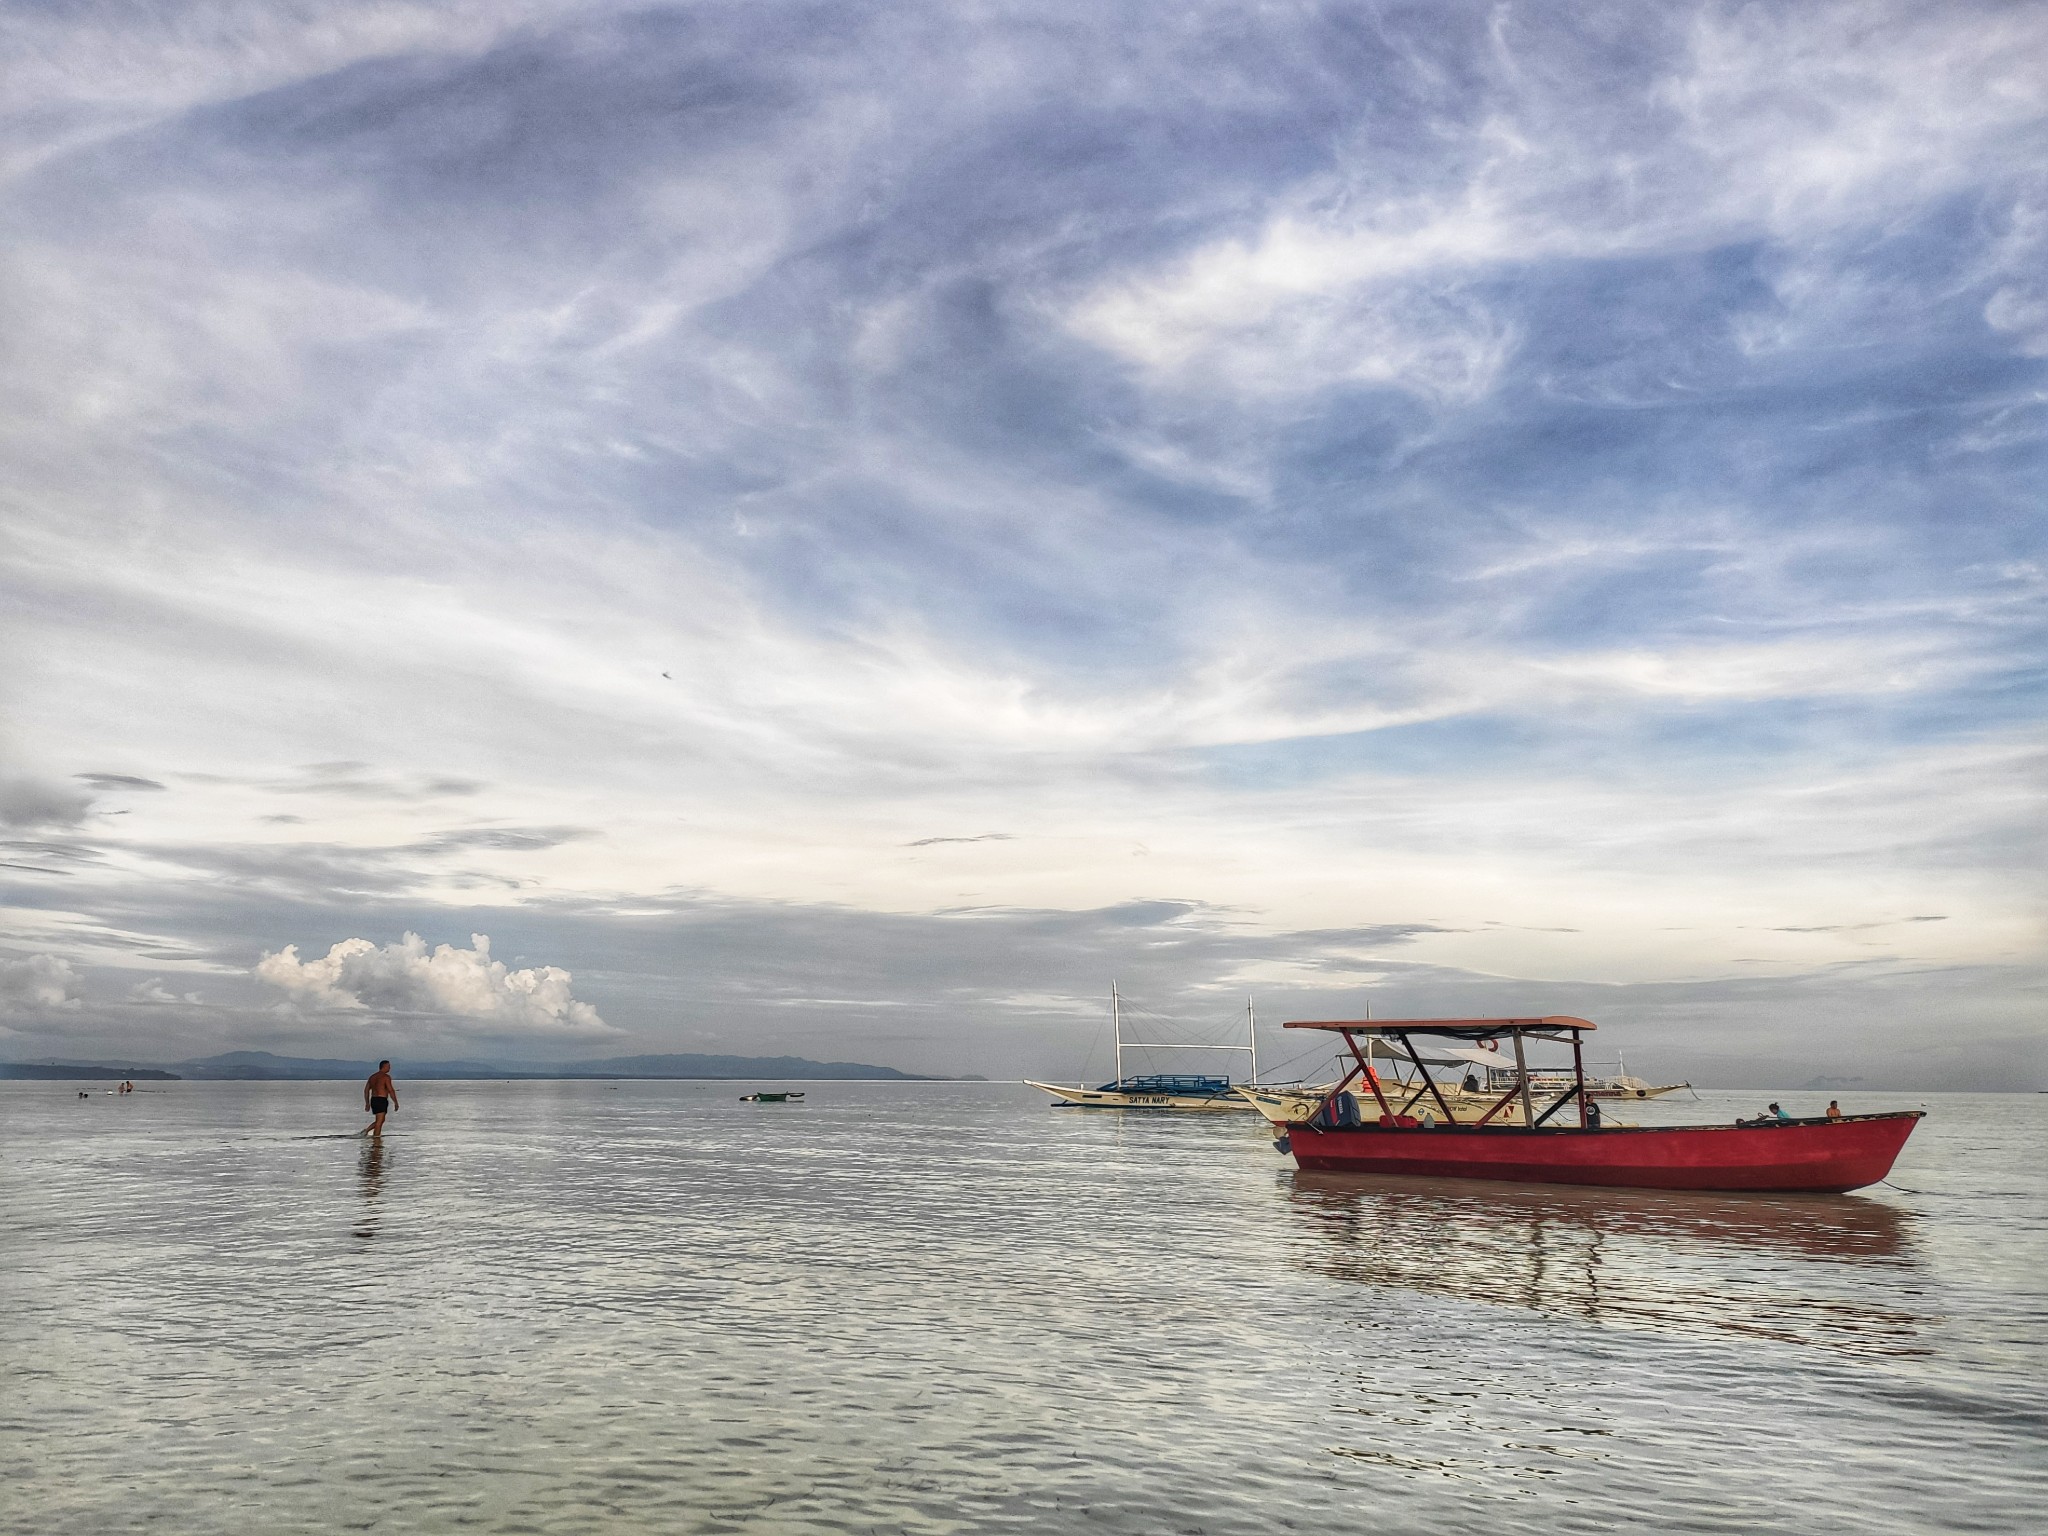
(1834, 1110)
(380, 1097)
(1777, 1113)
(1471, 1083)
(1592, 1115)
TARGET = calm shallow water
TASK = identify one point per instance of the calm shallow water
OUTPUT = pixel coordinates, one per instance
(555, 1307)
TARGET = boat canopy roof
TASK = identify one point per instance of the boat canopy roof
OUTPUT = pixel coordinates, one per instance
(1472, 1055)
(1435, 1056)
(1459, 1029)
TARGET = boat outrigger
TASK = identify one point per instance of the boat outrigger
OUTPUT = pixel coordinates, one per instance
(1822, 1156)
(1160, 1090)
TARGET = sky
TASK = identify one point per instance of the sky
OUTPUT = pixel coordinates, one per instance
(541, 531)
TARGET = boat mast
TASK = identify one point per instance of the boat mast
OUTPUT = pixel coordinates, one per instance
(1116, 1020)
(1116, 1016)
(1522, 1079)
(1251, 1030)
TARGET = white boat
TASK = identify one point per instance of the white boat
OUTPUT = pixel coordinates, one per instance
(1620, 1086)
(1403, 1078)
(1185, 1092)
(1158, 1090)
(1486, 1087)
(1296, 1103)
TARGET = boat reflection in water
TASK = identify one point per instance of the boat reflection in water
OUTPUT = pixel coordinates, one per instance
(1827, 1270)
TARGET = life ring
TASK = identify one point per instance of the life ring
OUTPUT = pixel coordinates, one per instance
(1489, 1045)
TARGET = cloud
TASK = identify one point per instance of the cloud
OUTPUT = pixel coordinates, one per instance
(2023, 313)
(1302, 308)
(356, 780)
(404, 980)
(38, 983)
(1793, 127)
(44, 856)
(503, 839)
(30, 803)
(115, 781)
(982, 837)
(153, 993)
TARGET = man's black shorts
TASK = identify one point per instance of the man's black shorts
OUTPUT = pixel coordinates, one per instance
(380, 1105)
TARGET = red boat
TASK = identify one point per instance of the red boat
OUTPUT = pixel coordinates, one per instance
(1811, 1156)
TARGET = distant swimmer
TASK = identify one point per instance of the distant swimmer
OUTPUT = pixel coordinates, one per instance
(380, 1097)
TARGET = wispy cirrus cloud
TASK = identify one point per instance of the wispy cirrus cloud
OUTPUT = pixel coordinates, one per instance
(1361, 278)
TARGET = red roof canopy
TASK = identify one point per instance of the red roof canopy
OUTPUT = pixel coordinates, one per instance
(1472, 1027)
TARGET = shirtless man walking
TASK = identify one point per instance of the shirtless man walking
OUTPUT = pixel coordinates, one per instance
(380, 1097)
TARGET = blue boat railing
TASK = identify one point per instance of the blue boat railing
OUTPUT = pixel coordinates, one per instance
(1169, 1083)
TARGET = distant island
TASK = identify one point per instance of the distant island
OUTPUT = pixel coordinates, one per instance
(72, 1072)
(266, 1067)
(736, 1067)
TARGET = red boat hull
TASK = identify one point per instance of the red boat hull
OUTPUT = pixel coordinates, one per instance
(1808, 1156)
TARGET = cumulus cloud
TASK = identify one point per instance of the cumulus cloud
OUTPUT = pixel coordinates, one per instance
(357, 975)
(40, 982)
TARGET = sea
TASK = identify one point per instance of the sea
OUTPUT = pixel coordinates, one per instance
(588, 1307)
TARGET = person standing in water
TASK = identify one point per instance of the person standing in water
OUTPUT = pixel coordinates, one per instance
(380, 1097)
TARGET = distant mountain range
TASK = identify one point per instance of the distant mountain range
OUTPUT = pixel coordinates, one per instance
(265, 1067)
